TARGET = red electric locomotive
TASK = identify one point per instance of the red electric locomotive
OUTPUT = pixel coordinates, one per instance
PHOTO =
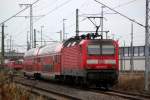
(82, 59)
(15, 64)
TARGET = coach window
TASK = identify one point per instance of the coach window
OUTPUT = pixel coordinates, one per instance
(55, 57)
(34, 60)
(58, 58)
(38, 59)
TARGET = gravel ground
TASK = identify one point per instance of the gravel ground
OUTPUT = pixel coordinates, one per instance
(81, 94)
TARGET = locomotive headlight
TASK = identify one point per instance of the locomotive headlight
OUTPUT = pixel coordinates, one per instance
(110, 61)
(92, 61)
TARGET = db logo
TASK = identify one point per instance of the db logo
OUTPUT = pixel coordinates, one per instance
(100, 61)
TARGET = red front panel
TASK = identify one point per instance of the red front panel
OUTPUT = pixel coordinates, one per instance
(102, 61)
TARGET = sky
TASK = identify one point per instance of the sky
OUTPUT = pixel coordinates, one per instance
(55, 11)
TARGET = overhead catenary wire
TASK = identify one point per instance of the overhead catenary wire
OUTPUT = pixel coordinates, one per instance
(13, 16)
(124, 4)
(120, 13)
(118, 6)
(17, 13)
(75, 24)
(45, 7)
(46, 13)
(33, 4)
(61, 5)
(52, 11)
(73, 12)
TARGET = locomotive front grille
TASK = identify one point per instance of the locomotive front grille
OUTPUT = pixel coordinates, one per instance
(102, 75)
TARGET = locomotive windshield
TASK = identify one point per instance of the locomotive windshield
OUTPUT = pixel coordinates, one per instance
(108, 49)
(103, 49)
(94, 49)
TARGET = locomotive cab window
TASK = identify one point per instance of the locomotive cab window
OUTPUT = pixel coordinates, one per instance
(94, 49)
(108, 49)
(101, 49)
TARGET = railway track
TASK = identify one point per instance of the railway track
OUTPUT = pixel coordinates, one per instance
(58, 92)
(34, 88)
(122, 94)
(136, 95)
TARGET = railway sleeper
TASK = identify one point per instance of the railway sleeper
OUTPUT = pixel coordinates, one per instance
(27, 75)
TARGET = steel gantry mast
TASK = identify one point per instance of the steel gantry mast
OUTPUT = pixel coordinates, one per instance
(147, 43)
(31, 23)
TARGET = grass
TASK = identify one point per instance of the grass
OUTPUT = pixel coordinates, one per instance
(131, 82)
(11, 91)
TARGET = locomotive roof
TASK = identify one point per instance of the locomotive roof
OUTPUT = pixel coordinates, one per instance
(50, 49)
(31, 52)
(70, 41)
(74, 41)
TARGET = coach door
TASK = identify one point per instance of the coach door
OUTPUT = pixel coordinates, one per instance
(57, 63)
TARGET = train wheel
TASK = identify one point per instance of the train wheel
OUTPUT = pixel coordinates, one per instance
(84, 83)
(26, 76)
(61, 79)
(37, 76)
(108, 87)
(98, 85)
(77, 81)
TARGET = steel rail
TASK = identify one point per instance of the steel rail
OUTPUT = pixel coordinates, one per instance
(123, 94)
(53, 92)
(111, 92)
